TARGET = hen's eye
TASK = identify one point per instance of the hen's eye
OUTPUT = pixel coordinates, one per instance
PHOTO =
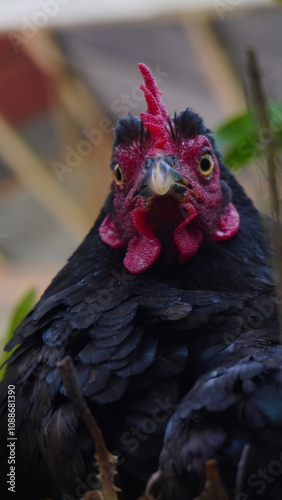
(118, 175)
(206, 164)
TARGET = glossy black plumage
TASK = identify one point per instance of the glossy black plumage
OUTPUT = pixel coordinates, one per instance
(139, 343)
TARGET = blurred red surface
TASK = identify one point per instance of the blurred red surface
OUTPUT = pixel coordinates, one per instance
(23, 91)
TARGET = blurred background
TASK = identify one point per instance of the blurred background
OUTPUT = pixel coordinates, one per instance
(68, 70)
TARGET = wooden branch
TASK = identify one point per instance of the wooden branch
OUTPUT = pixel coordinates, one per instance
(273, 167)
(242, 470)
(105, 460)
(214, 62)
(260, 110)
(93, 495)
(33, 174)
(73, 108)
(214, 489)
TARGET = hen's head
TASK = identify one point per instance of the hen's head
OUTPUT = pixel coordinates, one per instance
(168, 195)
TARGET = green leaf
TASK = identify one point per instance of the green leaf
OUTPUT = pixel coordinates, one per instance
(233, 131)
(240, 141)
(22, 308)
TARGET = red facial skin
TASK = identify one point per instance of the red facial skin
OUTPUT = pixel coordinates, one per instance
(170, 228)
(174, 227)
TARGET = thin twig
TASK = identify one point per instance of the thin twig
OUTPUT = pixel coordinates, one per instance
(105, 460)
(242, 470)
(214, 489)
(273, 166)
(93, 495)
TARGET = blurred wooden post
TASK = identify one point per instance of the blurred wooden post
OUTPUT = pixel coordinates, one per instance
(32, 172)
(71, 96)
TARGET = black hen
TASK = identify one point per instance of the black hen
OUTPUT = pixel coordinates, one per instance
(166, 287)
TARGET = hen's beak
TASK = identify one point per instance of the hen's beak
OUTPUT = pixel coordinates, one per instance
(162, 180)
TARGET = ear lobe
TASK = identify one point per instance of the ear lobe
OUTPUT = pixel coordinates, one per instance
(227, 225)
(110, 233)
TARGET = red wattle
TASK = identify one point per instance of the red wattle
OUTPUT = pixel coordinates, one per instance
(227, 225)
(188, 239)
(144, 249)
(142, 252)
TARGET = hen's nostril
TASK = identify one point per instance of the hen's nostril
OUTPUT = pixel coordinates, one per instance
(148, 163)
(170, 160)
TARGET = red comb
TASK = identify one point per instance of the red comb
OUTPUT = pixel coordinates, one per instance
(156, 117)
